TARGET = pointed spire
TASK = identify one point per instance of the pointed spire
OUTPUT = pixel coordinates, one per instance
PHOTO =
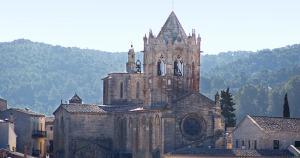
(172, 29)
(75, 99)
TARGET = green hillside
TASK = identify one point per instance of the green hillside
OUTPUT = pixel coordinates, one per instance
(38, 76)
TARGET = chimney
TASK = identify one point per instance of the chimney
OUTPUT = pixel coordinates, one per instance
(3, 104)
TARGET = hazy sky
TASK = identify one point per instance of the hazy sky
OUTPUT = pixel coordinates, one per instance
(111, 25)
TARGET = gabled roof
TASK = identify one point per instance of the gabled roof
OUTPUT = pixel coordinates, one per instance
(172, 29)
(201, 97)
(26, 111)
(277, 123)
(82, 108)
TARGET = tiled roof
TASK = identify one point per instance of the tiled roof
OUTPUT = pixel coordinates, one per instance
(230, 152)
(93, 108)
(124, 108)
(277, 123)
(172, 29)
(82, 108)
(26, 111)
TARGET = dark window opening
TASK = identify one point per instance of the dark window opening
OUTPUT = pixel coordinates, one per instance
(192, 126)
(236, 143)
(121, 90)
(297, 144)
(161, 68)
(275, 144)
(255, 144)
(249, 144)
(138, 66)
(138, 90)
(158, 68)
(178, 68)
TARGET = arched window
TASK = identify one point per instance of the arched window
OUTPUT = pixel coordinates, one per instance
(122, 133)
(178, 68)
(137, 90)
(161, 68)
(121, 90)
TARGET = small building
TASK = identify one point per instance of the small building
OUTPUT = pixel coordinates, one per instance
(8, 136)
(30, 129)
(49, 139)
(262, 132)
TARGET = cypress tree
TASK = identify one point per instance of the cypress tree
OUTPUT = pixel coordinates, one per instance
(227, 106)
(286, 108)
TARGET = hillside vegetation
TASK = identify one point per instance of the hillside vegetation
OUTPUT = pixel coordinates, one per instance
(38, 76)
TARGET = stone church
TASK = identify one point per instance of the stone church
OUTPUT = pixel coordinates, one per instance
(152, 109)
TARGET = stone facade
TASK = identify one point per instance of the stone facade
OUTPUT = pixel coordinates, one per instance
(259, 132)
(8, 137)
(30, 130)
(145, 113)
(49, 123)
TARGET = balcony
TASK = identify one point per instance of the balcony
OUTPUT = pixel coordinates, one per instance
(36, 152)
(39, 134)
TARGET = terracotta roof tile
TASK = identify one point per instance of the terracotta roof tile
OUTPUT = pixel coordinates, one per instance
(277, 123)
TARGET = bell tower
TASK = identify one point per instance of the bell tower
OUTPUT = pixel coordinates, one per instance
(130, 65)
(171, 63)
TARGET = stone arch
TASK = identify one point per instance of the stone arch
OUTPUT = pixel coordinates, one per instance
(161, 67)
(178, 67)
(92, 148)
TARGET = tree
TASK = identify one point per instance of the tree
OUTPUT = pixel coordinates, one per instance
(227, 106)
(286, 108)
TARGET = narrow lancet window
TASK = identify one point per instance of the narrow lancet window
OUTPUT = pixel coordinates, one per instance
(178, 68)
(137, 90)
(161, 68)
(121, 90)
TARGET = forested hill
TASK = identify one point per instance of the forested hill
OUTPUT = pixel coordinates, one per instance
(38, 76)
